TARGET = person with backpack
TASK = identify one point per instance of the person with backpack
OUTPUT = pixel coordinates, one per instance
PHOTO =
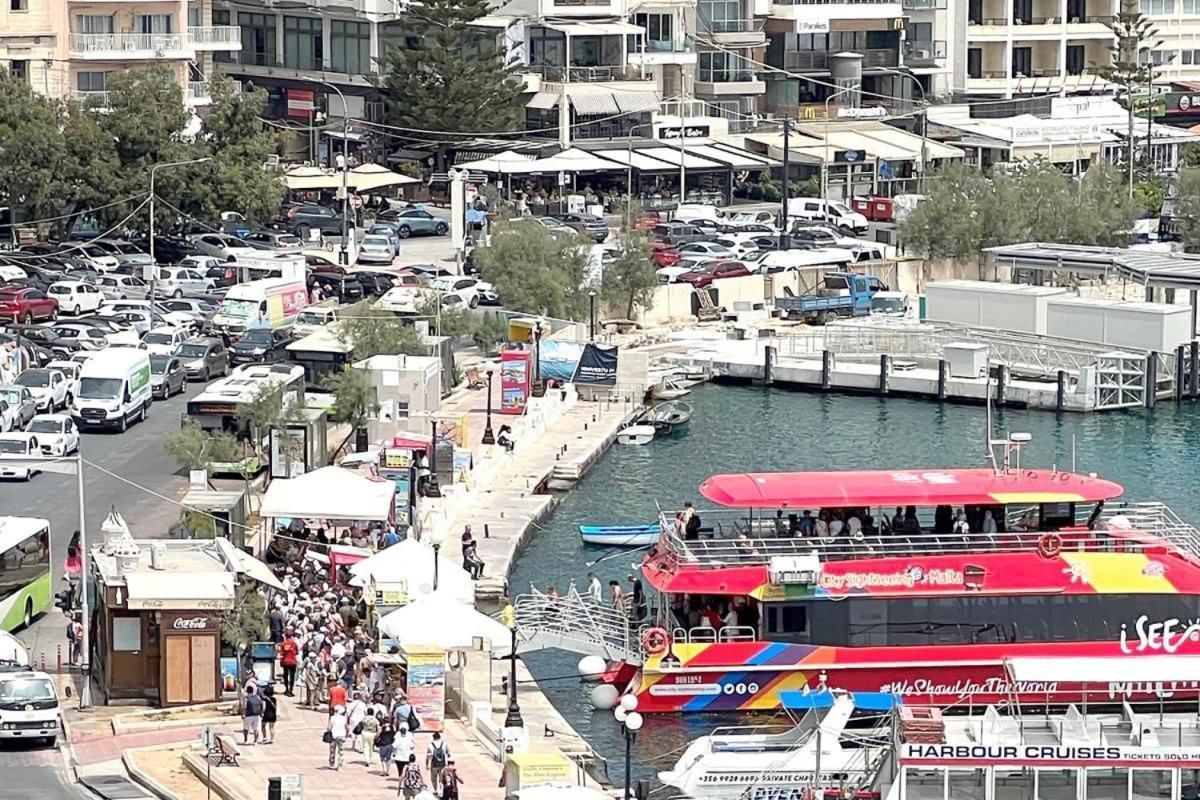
(448, 790)
(412, 782)
(437, 754)
(289, 659)
(252, 709)
(384, 741)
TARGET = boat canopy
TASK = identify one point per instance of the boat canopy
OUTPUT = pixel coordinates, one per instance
(1122, 669)
(800, 699)
(886, 488)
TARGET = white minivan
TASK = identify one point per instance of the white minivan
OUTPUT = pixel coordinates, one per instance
(835, 211)
(114, 389)
(29, 707)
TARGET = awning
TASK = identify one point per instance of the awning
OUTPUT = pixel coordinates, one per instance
(543, 100)
(738, 159)
(412, 563)
(245, 564)
(639, 161)
(171, 591)
(672, 156)
(1125, 668)
(631, 102)
(802, 700)
(329, 493)
(571, 28)
(309, 178)
(504, 163)
(575, 160)
(589, 100)
(368, 177)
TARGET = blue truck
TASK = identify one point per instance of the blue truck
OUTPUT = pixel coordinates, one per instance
(840, 294)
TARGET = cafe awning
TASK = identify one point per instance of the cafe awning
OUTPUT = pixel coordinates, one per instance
(303, 179)
(170, 590)
(329, 493)
(245, 564)
(369, 177)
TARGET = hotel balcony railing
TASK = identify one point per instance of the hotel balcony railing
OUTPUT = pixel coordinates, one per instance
(91, 99)
(819, 59)
(215, 35)
(733, 25)
(128, 43)
(923, 5)
(922, 52)
(589, 74)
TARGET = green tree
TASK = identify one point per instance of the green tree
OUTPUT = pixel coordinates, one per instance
(1149, 194)
(355, 399)
(1135, 34)
(247, 621)
(271, 407)
(193, 524)
(1187, 212)
(947, 223)
(454, 79)
(628, 281)
(373, 333)
(535, 272)
(192, 447)
(32, 149)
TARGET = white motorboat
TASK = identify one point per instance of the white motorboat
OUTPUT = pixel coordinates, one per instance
(670, 388)
(734, 763)
(669, 417)
(637, 434)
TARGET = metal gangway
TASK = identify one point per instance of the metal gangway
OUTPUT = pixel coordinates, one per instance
(578, 624)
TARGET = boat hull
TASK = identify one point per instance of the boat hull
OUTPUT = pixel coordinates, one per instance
(619, 535)
(748, 676)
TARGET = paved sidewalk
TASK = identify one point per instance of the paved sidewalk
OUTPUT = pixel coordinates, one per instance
(298, 749)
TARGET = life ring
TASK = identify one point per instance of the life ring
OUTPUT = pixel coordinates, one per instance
(655, 640)
(1050, 545)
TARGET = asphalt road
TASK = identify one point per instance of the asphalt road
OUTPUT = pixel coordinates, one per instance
(36, 773)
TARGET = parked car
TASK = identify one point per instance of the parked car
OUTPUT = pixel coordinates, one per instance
(316, 316)
(164, 341)
(70, 371)
(279, 241)
(15, 447)
(415, 222)
(167, 376)
(304, 218)
(124, 252)
(56, 434)
(703, 250)
(471, 291)
(24, 304)
(344, 288)
(50, 388)
(385, 228)
(406, 299)
(167, 249)
(10, 417)
(198, 309)
(591, 226)
(676, 233)
(203, 358)
(44, 337)
(222, 246)
(96, 257)
(20, 398)
(80, 336)
(704, 274)
(376, 249)
(178, 281)
(123, 287)
(75, 296)
(260, 346)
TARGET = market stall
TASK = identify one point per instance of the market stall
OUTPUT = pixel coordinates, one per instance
(412, 565)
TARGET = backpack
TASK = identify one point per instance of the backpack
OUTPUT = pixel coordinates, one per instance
(254, 705)
(412, 778)
(437, 754)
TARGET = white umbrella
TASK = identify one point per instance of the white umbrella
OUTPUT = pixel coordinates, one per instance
(369, 177)
(411, 561)
(441, 621)
(505, 163)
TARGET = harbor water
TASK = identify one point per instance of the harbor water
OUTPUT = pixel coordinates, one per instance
(739, 429)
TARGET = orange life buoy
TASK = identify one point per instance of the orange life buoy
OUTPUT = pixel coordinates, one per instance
(1050, 545)
(655, 640)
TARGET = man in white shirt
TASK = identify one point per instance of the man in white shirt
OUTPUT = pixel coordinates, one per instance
(595, 590)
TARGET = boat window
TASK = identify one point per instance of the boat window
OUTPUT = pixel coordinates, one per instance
(789, 619)
(1015, 784)
(1107, 784)
(925, 784)
(967, 784)
(1057, 784)
(1152, 784)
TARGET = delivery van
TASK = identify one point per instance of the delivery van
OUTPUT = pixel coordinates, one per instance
(271, 303)
(114, 389)
(814, 209)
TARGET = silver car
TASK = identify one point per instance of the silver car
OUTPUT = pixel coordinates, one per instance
(178, 281)
(123, 287)
(375, 249)
(20, 399)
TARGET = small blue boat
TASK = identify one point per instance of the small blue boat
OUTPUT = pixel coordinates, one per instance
(619, 535)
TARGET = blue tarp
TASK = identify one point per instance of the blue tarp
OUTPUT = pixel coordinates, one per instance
(863, 701)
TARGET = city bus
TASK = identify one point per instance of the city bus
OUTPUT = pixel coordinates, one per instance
(25, 586)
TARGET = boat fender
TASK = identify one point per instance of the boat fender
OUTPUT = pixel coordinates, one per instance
(1050, 545)
(655, 640)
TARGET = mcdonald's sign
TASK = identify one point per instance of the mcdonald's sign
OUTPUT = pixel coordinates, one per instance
(810, 112)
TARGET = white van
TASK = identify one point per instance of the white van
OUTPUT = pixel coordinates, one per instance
(114, 389)
(835, 211)
(29, 707)
(784, 260)
(317, 316)
(272, 303)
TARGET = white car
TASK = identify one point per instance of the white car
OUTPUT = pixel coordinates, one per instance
(406, 299)
(705, 250)
(99, 258)
(15, 446)
(70, 371)
(376, 249)
(671, 274)
(85, 335)
(222, 246)
(164, 341)
(752, 220)
(178, 281)
(10, 417)
(50, 388)
(471, 291)
(122, 287)
(75, 297)
(56, 433)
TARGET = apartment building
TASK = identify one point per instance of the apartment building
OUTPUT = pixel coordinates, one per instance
(68, 48)
(1176, 24)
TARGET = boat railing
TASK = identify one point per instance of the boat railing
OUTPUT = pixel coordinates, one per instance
(576, 623)
(1133, 527)
(706, 634)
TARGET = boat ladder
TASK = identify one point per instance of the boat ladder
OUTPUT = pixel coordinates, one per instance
(577, 624)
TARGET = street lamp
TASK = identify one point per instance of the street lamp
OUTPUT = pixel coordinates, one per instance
(343, 254)
(592, 315)
(153, 169)
(436, 537)
(431, 486)
(825, 165)
(539, 386)
(489, 437)
(631, 722)
(513, 718)
(629, 176)
(924, 122)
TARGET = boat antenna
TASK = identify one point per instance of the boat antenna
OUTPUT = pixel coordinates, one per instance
(990, 452)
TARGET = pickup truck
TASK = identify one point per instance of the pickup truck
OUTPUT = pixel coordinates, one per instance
(840, 295)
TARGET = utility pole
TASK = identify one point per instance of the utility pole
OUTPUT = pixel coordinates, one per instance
(85, 651)
(343, 254)
(153, 263)
(784, 231)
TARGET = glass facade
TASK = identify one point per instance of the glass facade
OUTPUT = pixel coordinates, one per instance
(303, 43)
(258, 39)
(350, 47)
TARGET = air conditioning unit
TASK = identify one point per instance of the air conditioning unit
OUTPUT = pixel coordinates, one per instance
(795, 570)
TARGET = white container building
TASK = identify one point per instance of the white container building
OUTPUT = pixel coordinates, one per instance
(1005, 306)
(1129, 324)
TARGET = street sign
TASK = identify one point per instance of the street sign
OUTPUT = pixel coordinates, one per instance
(206, 738)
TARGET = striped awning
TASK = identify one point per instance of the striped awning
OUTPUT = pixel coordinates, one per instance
(543, 100)
(632, 102)
(593, 102)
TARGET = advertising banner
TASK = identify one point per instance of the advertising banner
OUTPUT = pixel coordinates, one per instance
(514, 381)
(427, 686)
(597, 366)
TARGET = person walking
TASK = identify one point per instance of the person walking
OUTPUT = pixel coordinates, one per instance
(370, 730)
(412, 782)
(403, 747)
(252, 709)
(269, 714)
(437, 754)
(594, 589)
(337, 731)
(448, 790)
(356, 715)
(75, 638)
(337, 695)
(289, 659)
(314, 676)
(385, 741)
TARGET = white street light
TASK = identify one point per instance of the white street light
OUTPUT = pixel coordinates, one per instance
(633, 721)
(629, 702)
(620, 713)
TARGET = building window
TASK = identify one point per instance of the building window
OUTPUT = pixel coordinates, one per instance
(350, 47)
(194, 17)
(258, 39)
(721, 16)
(1191, 6)
(18, 5)
(94, 23)
(154, 23)
(19, 70)
(401, 408)
(91, 81)
(1076, 59)
(720, 67)
(1157, 7)
(658, 32)
(302, 43)
(1189, 57)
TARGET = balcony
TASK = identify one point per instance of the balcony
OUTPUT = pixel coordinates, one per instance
(91, 99)
(923, 5)
(574, 9)
(664, 52)
(215, 37)
(919, 53)
(128, 46)
(818, 60)
(746, 32)
(721, 83)
(604, 74)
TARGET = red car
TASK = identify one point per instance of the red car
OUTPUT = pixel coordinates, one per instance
(704, 275)
(664, 255)
(24, 304)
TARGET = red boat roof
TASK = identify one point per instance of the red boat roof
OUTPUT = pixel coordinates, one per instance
(920, 487)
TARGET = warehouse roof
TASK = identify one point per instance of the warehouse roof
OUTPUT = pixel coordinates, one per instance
(1147, 267)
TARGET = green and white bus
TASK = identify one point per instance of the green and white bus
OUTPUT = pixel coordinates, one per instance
(25, 587)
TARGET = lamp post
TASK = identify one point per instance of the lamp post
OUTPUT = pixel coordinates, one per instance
(489, 437)
(343, 254)
(153, 169)
(431, 488)
(436, 537)
(539, 386)
(825, 161)
(631, 722)
(924, 122)
(629, 176)
(513, 718)
(592, 315)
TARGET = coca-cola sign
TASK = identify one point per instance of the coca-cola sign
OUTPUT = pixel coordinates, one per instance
(187, 623)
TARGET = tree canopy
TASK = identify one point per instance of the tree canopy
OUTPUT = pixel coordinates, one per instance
(449, 76)
(373, 333)
(535, 272)
(965, 210)
(629, 282)
(61, 158)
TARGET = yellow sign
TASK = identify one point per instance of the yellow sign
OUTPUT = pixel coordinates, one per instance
(539, 769)
(397, 458)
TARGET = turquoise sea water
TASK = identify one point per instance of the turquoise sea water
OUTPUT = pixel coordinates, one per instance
(1154, 455)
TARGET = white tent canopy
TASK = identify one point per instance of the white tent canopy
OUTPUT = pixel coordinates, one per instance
(329, 493)
(309, 178)
(508, 162)
(369, 177)
(575, 160)
(411, 561)
(441, 621)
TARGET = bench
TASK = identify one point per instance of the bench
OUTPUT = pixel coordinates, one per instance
(474, 379)
(224, 750)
